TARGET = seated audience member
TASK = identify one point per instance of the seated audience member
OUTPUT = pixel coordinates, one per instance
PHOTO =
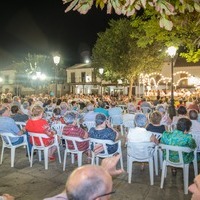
(25, 108)
(64, 108)
(104, 131)
(139, 133)
(101, 109)
(145, 104)
(195, 189)
(8, 125)
(90, 115)
(131, 108)
(193, 115)
(39, 125)
(7, 197)
(114, 111)
(84, 178)
(56, 118)
(180, 137)
(166, 121)
(17, 115)
(71, 129)
(154, 125)
(182, 112)
(74, 106)
(194, 105)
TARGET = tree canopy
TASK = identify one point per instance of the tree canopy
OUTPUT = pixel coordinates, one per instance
(164, 8)
(118, 53)
(185, 35)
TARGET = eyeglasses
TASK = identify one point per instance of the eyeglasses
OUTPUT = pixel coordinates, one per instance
(106, 194)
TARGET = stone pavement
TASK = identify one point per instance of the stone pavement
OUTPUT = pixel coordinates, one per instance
(36, 183)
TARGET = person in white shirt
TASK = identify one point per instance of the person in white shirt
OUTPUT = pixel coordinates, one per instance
(139, 133)
(193, 115)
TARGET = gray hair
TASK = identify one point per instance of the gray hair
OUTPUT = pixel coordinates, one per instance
(70, 117)
(140, 120)
(90, 107)
(25, 104)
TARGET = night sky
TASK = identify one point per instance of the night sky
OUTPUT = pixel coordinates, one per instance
(42, 27)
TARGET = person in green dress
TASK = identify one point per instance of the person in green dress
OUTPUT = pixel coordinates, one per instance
(180, 137)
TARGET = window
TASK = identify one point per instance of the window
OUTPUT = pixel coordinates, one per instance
(73, 80)
(83, 77)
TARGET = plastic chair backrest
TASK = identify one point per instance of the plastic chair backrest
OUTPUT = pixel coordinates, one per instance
(157, 135)
(74, 140)
(58, 128)
(40, 136)
(178, 149)
(140, 150)
(196, 137)
(104, 144)
(6, 136)
(89, 124)
(116, 119)
(21, 124)
(128, 120)
(146, 110)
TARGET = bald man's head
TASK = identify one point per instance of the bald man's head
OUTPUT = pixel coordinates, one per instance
(88, 182)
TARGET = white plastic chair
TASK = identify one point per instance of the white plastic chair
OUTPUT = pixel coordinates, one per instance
(128, 121)
(157, 153)
(180, 164)
(58, 128)
(117, 120)
(6, 143)
(104, 153)
(42, 147)
(146, 110)
(21, 125)
(196, 137)
(140, 152)
(89, 124)
(74, 140)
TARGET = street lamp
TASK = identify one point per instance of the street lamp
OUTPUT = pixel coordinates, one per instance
(171, 51)
(56, 60)
(101, 70)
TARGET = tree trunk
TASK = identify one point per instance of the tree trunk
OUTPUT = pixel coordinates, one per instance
(130, 88)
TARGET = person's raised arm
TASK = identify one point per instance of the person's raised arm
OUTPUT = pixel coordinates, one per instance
(109, 164)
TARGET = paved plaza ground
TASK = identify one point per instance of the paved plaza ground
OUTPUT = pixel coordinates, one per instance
(36, 183)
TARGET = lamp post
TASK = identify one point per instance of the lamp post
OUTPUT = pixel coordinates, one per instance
(101, 70)
(172, 52)
(56, 60)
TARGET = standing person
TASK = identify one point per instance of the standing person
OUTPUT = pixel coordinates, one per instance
(39, 125)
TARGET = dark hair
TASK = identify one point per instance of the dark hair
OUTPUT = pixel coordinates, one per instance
(57, 111)
(14, 109)
(193, 114)
(184, 124)
(5, 100)
(182, 110)
(99, 119)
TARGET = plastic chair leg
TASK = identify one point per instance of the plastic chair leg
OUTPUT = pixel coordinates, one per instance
(185, 177)
(2, 152)
(12, 157)
(164, 168)
(151, 171)
(64, 161)
(129, 166)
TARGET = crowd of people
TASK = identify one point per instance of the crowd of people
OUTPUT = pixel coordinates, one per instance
(41, 112)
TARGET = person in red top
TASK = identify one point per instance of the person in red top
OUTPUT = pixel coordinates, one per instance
(38, 125)
(56, 118)
(71, 129)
